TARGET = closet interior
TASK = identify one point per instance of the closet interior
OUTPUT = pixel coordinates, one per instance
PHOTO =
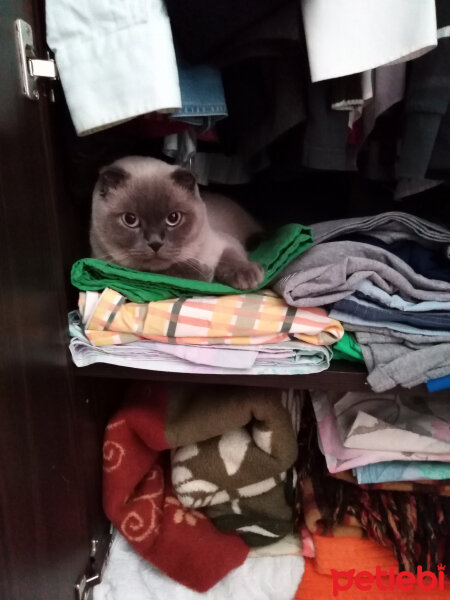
(347, 455)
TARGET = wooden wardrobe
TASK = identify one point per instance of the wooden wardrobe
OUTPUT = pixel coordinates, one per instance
(53, 534)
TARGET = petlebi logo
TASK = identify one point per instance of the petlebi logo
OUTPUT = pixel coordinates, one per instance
(389, 580)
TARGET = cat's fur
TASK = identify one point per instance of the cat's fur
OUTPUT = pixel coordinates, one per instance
(208, 243)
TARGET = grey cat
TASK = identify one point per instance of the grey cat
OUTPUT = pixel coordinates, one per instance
(149, 215)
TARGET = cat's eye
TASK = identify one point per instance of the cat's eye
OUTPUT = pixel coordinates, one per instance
(173, 218)
(130, 219)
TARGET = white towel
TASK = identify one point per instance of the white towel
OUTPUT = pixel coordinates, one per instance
(129, 577)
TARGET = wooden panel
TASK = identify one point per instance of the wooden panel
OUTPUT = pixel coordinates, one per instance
(44, 522)
(341, 376)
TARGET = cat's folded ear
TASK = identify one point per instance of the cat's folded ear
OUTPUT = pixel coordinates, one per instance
(184, 178)
(110, 178)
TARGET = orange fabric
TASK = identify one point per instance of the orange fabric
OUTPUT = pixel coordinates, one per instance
(320, 587)
(343, 554)
(350, 553)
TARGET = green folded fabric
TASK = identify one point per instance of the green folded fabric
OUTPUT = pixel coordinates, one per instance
(347, 348)
(138, 286)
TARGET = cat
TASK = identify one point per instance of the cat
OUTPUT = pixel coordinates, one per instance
(150, 216)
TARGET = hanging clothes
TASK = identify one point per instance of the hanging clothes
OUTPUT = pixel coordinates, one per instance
(202, 28)
(426, 102)
(116, 60)
(349, 36)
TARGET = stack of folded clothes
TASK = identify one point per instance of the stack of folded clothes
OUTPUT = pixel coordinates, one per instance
(156, 322)
(395, 525)
(204, 482)
(249, 333)
(387, 279)
(384, 437)
(195, 477)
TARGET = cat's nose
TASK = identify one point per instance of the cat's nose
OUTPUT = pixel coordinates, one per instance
(155, 246)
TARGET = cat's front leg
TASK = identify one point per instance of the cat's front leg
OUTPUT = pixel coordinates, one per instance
(236, 270)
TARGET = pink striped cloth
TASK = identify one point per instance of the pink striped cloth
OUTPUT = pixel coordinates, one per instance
(245, 319)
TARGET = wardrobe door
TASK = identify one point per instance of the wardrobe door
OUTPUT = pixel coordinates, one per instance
(44, 529)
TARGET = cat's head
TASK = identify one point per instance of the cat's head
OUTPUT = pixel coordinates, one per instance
(146, 214)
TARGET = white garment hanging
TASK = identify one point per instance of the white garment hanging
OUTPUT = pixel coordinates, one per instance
(351, 36)
(115, 58)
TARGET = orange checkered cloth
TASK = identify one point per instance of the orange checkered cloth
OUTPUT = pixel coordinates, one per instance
(244, 319)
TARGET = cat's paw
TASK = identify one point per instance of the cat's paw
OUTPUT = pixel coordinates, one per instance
(244, 276)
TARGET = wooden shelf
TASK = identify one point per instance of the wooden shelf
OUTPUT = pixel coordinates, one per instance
(342, 376)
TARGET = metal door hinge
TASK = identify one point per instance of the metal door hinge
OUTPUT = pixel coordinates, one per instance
(98, 555)
(31, 67)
